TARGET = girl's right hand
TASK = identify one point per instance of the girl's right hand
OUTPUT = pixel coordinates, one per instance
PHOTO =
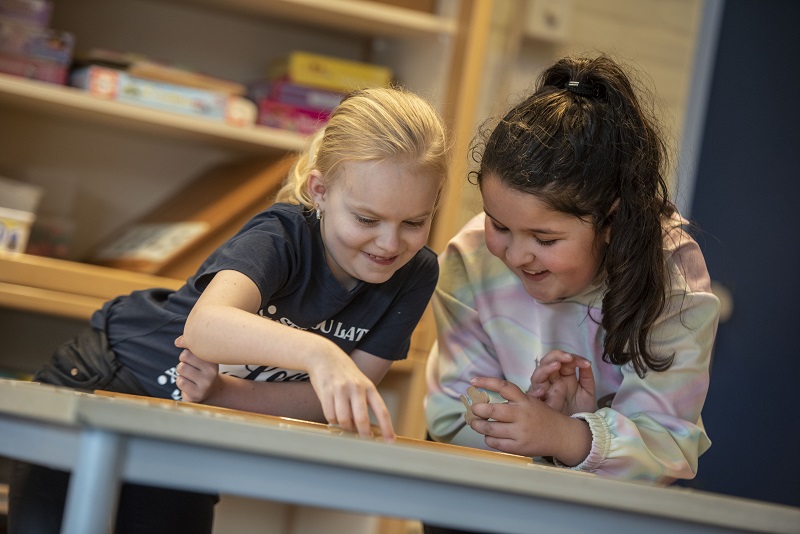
(196, 378)
(565, 382)
(346, 395)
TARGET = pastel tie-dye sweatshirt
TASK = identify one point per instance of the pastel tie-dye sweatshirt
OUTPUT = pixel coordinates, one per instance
(487, 325)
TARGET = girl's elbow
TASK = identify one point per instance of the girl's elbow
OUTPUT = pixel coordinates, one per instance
(193, 328)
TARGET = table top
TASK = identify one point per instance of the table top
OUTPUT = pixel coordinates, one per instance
(234, 430)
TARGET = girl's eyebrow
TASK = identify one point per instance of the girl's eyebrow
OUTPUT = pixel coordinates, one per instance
(364, 210)
(544, 231)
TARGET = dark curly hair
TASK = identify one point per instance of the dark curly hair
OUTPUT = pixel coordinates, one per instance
(592, 150)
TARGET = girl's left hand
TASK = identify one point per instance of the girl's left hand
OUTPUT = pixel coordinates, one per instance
(524, 425)
(565, 382)
(196, 378)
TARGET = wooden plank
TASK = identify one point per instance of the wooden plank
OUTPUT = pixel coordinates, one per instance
(75, 278)
(75, 104)
(463, 86)
(48, 302)
(368, 18)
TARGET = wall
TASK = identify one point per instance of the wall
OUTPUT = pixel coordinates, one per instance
(655, 37)
(745, 204)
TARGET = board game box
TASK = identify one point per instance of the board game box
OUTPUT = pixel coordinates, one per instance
(118, 85)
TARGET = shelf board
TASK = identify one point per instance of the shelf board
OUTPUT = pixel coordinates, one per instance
(66, 288)
(47, 302)
(354, 16)
(72, 103)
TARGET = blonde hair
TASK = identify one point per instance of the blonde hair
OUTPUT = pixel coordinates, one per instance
(376, 124)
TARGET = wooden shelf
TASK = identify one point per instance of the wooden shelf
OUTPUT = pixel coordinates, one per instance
(66, 288)
(353, 16)
(72, 103)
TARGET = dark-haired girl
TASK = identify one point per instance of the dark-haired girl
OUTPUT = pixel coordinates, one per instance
(577, 299)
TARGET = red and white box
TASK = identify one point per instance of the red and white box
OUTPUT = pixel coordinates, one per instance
(300, 120)
(290, 106)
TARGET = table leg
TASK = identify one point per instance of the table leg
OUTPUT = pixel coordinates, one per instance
(94, 484)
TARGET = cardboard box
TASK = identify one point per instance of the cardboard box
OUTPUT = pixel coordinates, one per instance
(31, 12)
(26, 41)
(292, 94)
(113, 84)
(142, 67)
(18, 204)
(33, 69)
(326, 72)
(15, 227)
(290, 106)
(300, 120)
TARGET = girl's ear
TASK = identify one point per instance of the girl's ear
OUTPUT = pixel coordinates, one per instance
(316, 186)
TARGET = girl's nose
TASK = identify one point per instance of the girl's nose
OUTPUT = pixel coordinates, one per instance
(388, 239)
(517, 255)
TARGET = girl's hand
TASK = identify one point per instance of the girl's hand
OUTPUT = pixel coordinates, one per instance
(565, 382)
(196, 378)
(526, 426)
(347, 394)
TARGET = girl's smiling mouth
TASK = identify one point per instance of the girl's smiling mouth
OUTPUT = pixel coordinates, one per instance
(530, 274)
(380, 260)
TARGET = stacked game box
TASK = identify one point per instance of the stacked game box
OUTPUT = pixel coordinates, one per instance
(287, 105)
(302, 89)
(28, 46)
(121, 86)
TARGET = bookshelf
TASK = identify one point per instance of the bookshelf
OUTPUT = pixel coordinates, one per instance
(114, 162)
(104, 164)
(71, 104)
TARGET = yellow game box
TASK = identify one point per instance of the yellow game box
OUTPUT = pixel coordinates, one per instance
(328, 72)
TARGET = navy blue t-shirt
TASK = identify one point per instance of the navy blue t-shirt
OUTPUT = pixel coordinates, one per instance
(281, 250)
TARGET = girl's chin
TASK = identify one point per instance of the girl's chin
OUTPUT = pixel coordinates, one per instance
(547, 300)
(543, 297)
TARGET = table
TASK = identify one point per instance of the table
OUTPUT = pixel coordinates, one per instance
(105, 439)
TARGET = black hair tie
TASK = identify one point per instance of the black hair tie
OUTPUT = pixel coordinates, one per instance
(585, 89)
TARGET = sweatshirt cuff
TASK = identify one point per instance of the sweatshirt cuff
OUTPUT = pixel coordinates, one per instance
(601, 443)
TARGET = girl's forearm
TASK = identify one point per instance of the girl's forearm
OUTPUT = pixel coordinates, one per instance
(285, 399)
(226, 335)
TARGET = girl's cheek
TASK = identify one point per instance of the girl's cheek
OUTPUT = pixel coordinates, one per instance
(417, 241)
(494, 245)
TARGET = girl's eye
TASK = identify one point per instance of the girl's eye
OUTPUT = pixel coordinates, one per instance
(498, 227)
(365, 221)
(416, 224)
(542, 242)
